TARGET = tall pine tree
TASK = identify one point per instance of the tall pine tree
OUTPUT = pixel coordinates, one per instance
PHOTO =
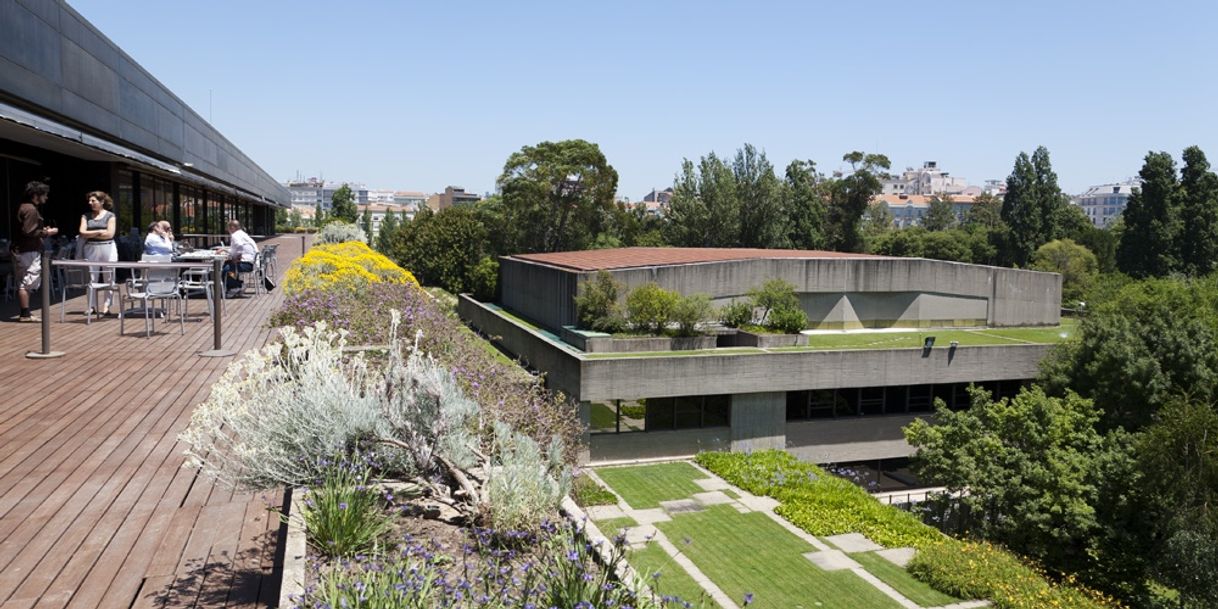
(1033, 207)
(1198, 239)
(1148, 246)
(804, 206)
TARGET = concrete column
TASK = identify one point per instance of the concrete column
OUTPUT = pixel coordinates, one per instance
(759, 421)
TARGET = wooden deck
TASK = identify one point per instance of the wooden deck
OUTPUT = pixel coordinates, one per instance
(96, 509)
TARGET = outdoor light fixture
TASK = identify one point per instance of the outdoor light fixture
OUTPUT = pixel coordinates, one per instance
(928, 343)
(954, 344)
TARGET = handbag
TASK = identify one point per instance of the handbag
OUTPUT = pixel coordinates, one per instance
(268, 283)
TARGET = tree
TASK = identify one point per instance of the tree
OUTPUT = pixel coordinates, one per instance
(441, 248)
(556, 194)
(295, 218)
(1033, 206)
(1199, 212)
(319, 215)
(703, 211)
(1076, 264)
(1019, 471)
(877, 222)
(759, 201)
(850, 197)
(366, 223)
(1148, 246)
(342, 205)
(804, 206)
(986, 212)
(597, 305)
(942, 213)
(388, 232)
(650, 307)
(916, 242)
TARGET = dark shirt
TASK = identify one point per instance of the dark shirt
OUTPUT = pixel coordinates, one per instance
(29, 229)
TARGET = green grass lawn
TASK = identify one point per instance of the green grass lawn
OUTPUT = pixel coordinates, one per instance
(902, 581)
(612, 526)
(672, 581)
(749, 553)
(645, 486)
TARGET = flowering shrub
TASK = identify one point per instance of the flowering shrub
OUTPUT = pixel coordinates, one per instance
(339, 232)
(552, 567)
(827, 505)
(343, 267)
(344, 515)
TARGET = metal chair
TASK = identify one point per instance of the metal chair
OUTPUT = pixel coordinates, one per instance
(74, 278)
(157, 284)
(255, 274)
(101, 280)
(195, 282)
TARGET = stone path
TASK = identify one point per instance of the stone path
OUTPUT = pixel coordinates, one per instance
(833, 557)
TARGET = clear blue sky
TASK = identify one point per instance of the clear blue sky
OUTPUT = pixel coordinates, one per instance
(423, 94)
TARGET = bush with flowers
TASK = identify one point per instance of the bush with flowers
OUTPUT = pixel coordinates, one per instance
(343, 267)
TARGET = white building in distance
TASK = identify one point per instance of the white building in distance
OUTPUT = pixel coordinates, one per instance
(928, 180)
(1104, 203)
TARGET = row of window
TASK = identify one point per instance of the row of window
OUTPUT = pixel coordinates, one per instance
(197, 210)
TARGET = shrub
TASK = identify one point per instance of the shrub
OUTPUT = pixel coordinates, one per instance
(787, 321)
(585, 491)
(485, 279)
(348, 266)
(775, 294)
(650, 307)
(341, 232)
(737, 315)
(689, 312)
(524, 484)
(596, 305)
(343, 515)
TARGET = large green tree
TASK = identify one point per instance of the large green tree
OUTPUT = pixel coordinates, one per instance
(387, 232)
(759, 200)
(1198, 214)
(441, 248)
(1076, 264)
(1149, 245)
(985, 212)
(703, 211)
(342, 205)
(1033, 208)
(941, 214)
(556, 195)
(804, 206)
(849, 197)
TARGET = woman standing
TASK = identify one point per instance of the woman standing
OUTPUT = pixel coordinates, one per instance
(97, 228)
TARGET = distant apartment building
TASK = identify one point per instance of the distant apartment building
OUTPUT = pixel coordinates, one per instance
(911, 210)
(378, 211)
(380, 195)
(1105, 203)
(927, 180)
(313, 191)
(410, 200)
(451, 197)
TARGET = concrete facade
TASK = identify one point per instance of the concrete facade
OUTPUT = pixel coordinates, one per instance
(835, 292)
(56, 64)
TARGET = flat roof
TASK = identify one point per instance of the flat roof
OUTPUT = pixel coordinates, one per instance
(632, 257)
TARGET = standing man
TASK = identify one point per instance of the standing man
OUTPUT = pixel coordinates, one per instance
(27, 247)
(241, 255)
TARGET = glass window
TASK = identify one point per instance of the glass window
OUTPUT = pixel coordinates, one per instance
(603, 417)
(124, 206)
(894, 400)
(847, 403)
(871, 400)
(659, 413)
(921, 398)
(687, 412)
(797, 405)
(821, 403)
(632, 416)
(717, 411)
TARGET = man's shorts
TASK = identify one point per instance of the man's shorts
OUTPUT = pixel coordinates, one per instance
(29, 269)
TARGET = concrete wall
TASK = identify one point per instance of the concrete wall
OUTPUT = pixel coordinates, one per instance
(54, 62)
(561, 367)
(849, 439)
(657, 444)
(634, 378)
(759, 421)
(911, 290)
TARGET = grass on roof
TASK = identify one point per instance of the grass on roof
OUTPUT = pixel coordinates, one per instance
(667, 578)
(645, 486)
(901, 581)
(610, 527)
(750, 553)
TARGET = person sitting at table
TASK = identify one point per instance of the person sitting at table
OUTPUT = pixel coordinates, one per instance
(240, 258)
(159, 241)
(97, 229)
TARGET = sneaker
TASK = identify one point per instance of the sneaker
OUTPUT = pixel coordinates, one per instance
(29, 319)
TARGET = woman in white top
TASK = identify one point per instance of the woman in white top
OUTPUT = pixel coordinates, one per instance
(97, 229)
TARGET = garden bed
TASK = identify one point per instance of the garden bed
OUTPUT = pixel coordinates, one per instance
(600, 342)
(763, 340)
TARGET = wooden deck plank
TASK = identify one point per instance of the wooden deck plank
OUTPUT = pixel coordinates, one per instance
(95, 507)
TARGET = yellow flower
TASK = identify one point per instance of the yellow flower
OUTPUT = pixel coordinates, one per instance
(351, 265)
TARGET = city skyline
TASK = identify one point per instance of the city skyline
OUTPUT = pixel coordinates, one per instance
(422, 95)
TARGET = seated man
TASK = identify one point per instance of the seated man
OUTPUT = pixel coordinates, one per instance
(240, 258)
(159, 241)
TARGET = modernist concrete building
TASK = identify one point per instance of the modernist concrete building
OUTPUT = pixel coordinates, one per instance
(77, 111)
(823, 404)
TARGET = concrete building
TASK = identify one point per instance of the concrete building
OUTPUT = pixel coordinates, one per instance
(1105, 203)
(822, 404)
(911, 210)
(314, 191)
(927, 180)
(78, 112)
(378, 211)
(452, 195)
(410, 200)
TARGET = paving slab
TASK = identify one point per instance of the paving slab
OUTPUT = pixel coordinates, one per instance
(832, 560)
(640, 534)
(651, 516)
(713, 484)
(759, 504)
(604, 512)
(854, 542)
(712, 498)
(898, 556)
(681, 506)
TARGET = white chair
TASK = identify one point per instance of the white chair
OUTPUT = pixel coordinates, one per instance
(195, 282)
(157, 284)
(254, 275)
(102, 281)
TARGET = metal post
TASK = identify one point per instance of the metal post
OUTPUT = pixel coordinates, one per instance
(45, 290)
(303, 247)
(217, 318)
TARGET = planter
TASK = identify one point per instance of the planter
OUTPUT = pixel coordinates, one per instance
(745, 338)
(600, 342)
